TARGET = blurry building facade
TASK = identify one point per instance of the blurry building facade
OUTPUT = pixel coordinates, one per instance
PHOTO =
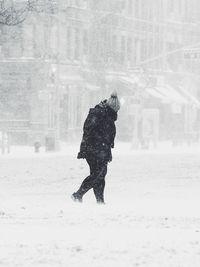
(65, 58)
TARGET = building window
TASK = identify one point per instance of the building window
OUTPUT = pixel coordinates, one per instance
(130, 7)
(114, 54)
(78, 3)
(180, 6)
(137, 8)
(69, 43)
(170, 6)
(143, 9)
(85, 42)
(143, 49)
(64, 115)
(84, 3)
(114, 43)
(78, 111)
(123, 49)
(129, 49)
(77, 44)
(137, 51)
(15, 44)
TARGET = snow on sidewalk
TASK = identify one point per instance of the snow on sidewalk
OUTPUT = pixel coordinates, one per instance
(151, 218)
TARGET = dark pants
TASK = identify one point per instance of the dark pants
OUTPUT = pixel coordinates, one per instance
(96, 179)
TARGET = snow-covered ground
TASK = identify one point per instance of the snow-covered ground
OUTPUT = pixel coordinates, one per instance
(151, 217)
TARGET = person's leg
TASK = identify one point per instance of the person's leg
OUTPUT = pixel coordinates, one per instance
(99, 191)
(87, 183)
(99, 184)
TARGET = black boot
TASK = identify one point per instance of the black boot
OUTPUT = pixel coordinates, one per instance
(76, 197)
(101, 202)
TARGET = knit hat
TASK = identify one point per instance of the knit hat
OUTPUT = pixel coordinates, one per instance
(113, 102)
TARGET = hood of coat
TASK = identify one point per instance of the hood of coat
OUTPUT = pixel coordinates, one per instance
(108, 111)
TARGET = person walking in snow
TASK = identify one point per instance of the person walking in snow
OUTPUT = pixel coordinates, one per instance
(98, 139)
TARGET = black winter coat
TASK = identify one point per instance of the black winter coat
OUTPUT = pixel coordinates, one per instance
(99, 133)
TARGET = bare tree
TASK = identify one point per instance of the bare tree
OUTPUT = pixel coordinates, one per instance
(13, 13)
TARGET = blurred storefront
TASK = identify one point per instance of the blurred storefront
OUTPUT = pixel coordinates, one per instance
(22, 113)
(178, 109)
(60, 62)
(161, 112)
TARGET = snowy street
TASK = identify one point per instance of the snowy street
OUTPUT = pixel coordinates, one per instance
(151, 217)
(80, 78)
